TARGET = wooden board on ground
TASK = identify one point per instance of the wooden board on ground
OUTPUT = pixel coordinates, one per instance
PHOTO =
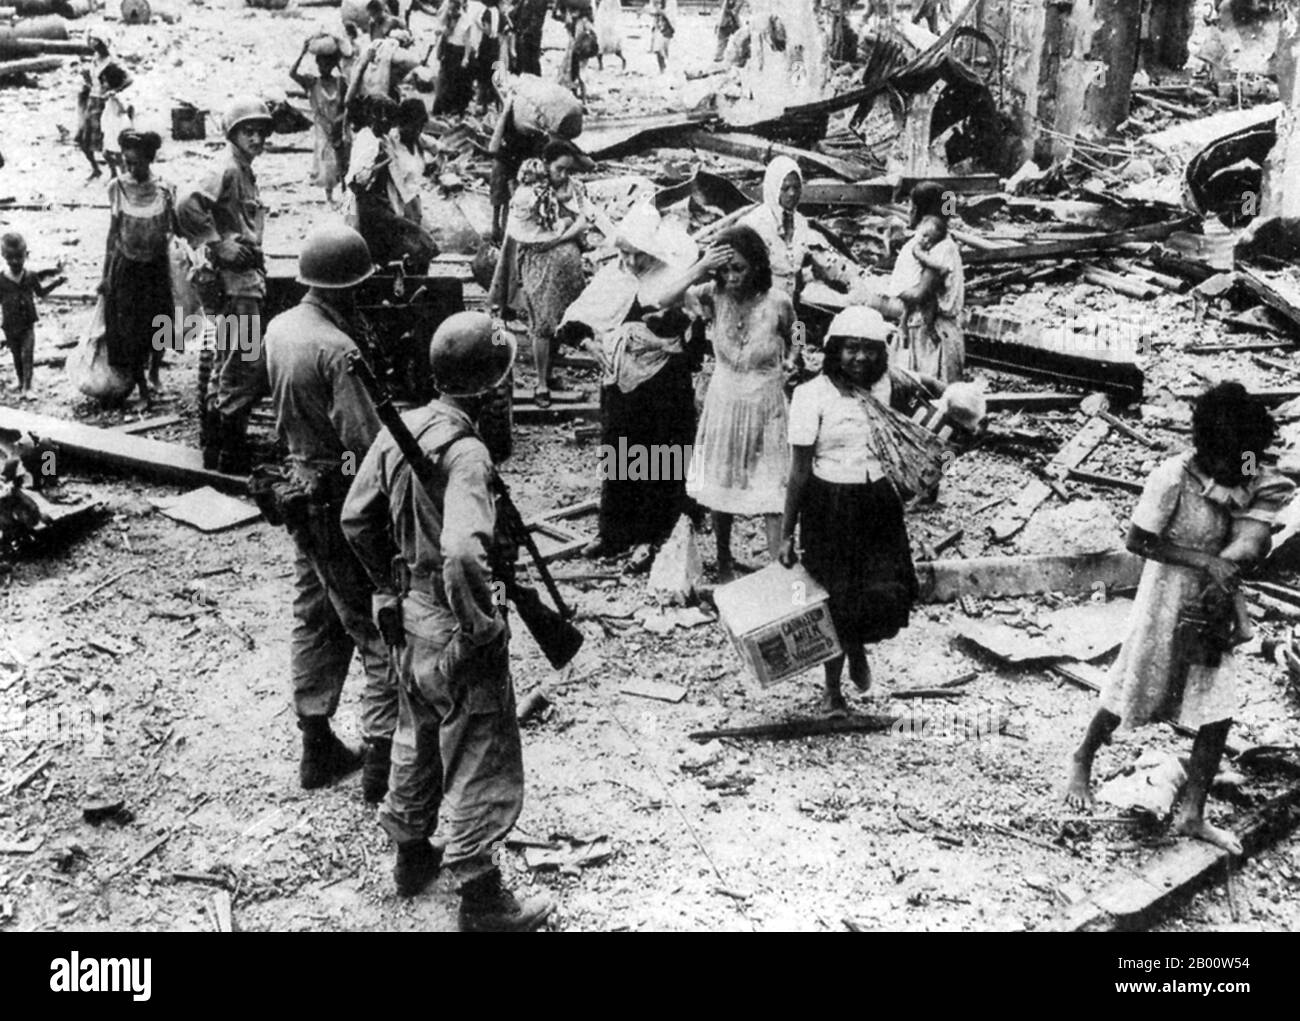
(1132, 901)
(948, 580)
(1055, 250)
(1072, 453)
(530, 414)
(556, 534)
(110, 449)
(145, 425)
(207, 510)
(653, 689)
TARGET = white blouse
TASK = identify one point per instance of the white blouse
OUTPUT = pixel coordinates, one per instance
(835, 426)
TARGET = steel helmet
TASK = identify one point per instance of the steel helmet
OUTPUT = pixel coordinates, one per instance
(470, 354)
(859, 321)
(334, 257)
(245, 109)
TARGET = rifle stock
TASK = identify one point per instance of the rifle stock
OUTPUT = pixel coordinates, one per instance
(558, 639)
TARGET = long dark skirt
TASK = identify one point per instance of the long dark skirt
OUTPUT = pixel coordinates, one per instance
(455, 86)
(137, 293)
(659, 417)
(855, 544)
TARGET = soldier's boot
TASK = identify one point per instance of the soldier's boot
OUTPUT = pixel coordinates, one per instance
(417, 866)
(488, 906)
(325, 758)
(234, 457)
(374, 774)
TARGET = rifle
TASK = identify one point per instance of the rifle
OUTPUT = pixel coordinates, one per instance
(559, 639)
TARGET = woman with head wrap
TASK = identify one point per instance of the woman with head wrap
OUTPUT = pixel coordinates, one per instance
(646, 402)
(137, 274)
(791, 241)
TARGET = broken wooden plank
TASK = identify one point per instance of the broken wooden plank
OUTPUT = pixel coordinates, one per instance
(1121, 284)
(1009, 401)
(847, 193)
(1072, 453)
(108, 448)
(1084, 675)
(799, 727)
(1104, 481)
(1275, 291)
(947, 581)
(1100, 354)
(531, 414)
(29, 65)
(653, 689)
(145, 425)
(760, 150)
(1078, 246)
(1134, 901)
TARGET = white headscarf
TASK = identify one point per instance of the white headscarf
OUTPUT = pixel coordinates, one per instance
(777, 171)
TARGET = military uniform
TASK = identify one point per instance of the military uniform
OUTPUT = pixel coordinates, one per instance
(226, 204)
(457, 748)
(328, 423)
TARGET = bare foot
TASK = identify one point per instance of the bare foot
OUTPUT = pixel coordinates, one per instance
(1198, 829)
(833, 704)
(860, 673)
(1078, 789)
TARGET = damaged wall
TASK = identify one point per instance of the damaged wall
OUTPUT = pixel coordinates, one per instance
(1281, 196)
(1067, 66)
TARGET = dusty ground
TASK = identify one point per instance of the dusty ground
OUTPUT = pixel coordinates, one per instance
(166, 689)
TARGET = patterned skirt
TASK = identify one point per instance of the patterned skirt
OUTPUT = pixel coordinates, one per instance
(551, 281)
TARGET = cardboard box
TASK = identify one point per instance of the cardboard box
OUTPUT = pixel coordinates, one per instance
(779, 621)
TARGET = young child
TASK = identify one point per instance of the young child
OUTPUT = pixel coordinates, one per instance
(661, 32)
(19, 288)
(1200, 517)
(929, 232)
(325, 92)
(90, 104)
(118, 115)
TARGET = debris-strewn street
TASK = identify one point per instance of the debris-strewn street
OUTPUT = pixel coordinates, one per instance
(148, 754)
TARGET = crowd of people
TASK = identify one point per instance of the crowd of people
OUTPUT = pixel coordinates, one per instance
(700, 346)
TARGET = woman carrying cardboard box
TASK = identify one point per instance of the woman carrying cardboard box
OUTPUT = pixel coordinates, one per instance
(851, 455)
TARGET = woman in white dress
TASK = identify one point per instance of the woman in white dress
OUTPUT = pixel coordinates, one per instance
(741, 456)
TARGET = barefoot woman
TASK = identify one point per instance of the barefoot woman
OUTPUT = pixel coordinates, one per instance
(741, 454)
(1175, 663)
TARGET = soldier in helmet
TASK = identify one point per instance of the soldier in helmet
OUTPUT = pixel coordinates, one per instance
(456, 753)
(224, 214)
(328, 424)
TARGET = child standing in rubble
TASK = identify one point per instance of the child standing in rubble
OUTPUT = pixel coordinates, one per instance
(661, 33)
(1202, 516)
(19, 289)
